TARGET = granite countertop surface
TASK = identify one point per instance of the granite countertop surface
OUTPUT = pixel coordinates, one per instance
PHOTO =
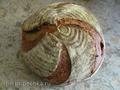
(14, 12)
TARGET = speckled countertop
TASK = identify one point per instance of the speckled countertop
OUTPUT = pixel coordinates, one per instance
(14, 12)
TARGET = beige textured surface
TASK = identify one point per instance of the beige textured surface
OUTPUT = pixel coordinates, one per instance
(14, 12)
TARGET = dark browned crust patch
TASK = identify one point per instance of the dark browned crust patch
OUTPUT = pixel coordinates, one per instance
(63, 70)
(28, 42)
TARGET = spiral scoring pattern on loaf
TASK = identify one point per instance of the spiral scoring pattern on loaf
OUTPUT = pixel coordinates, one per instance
(80, 44)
